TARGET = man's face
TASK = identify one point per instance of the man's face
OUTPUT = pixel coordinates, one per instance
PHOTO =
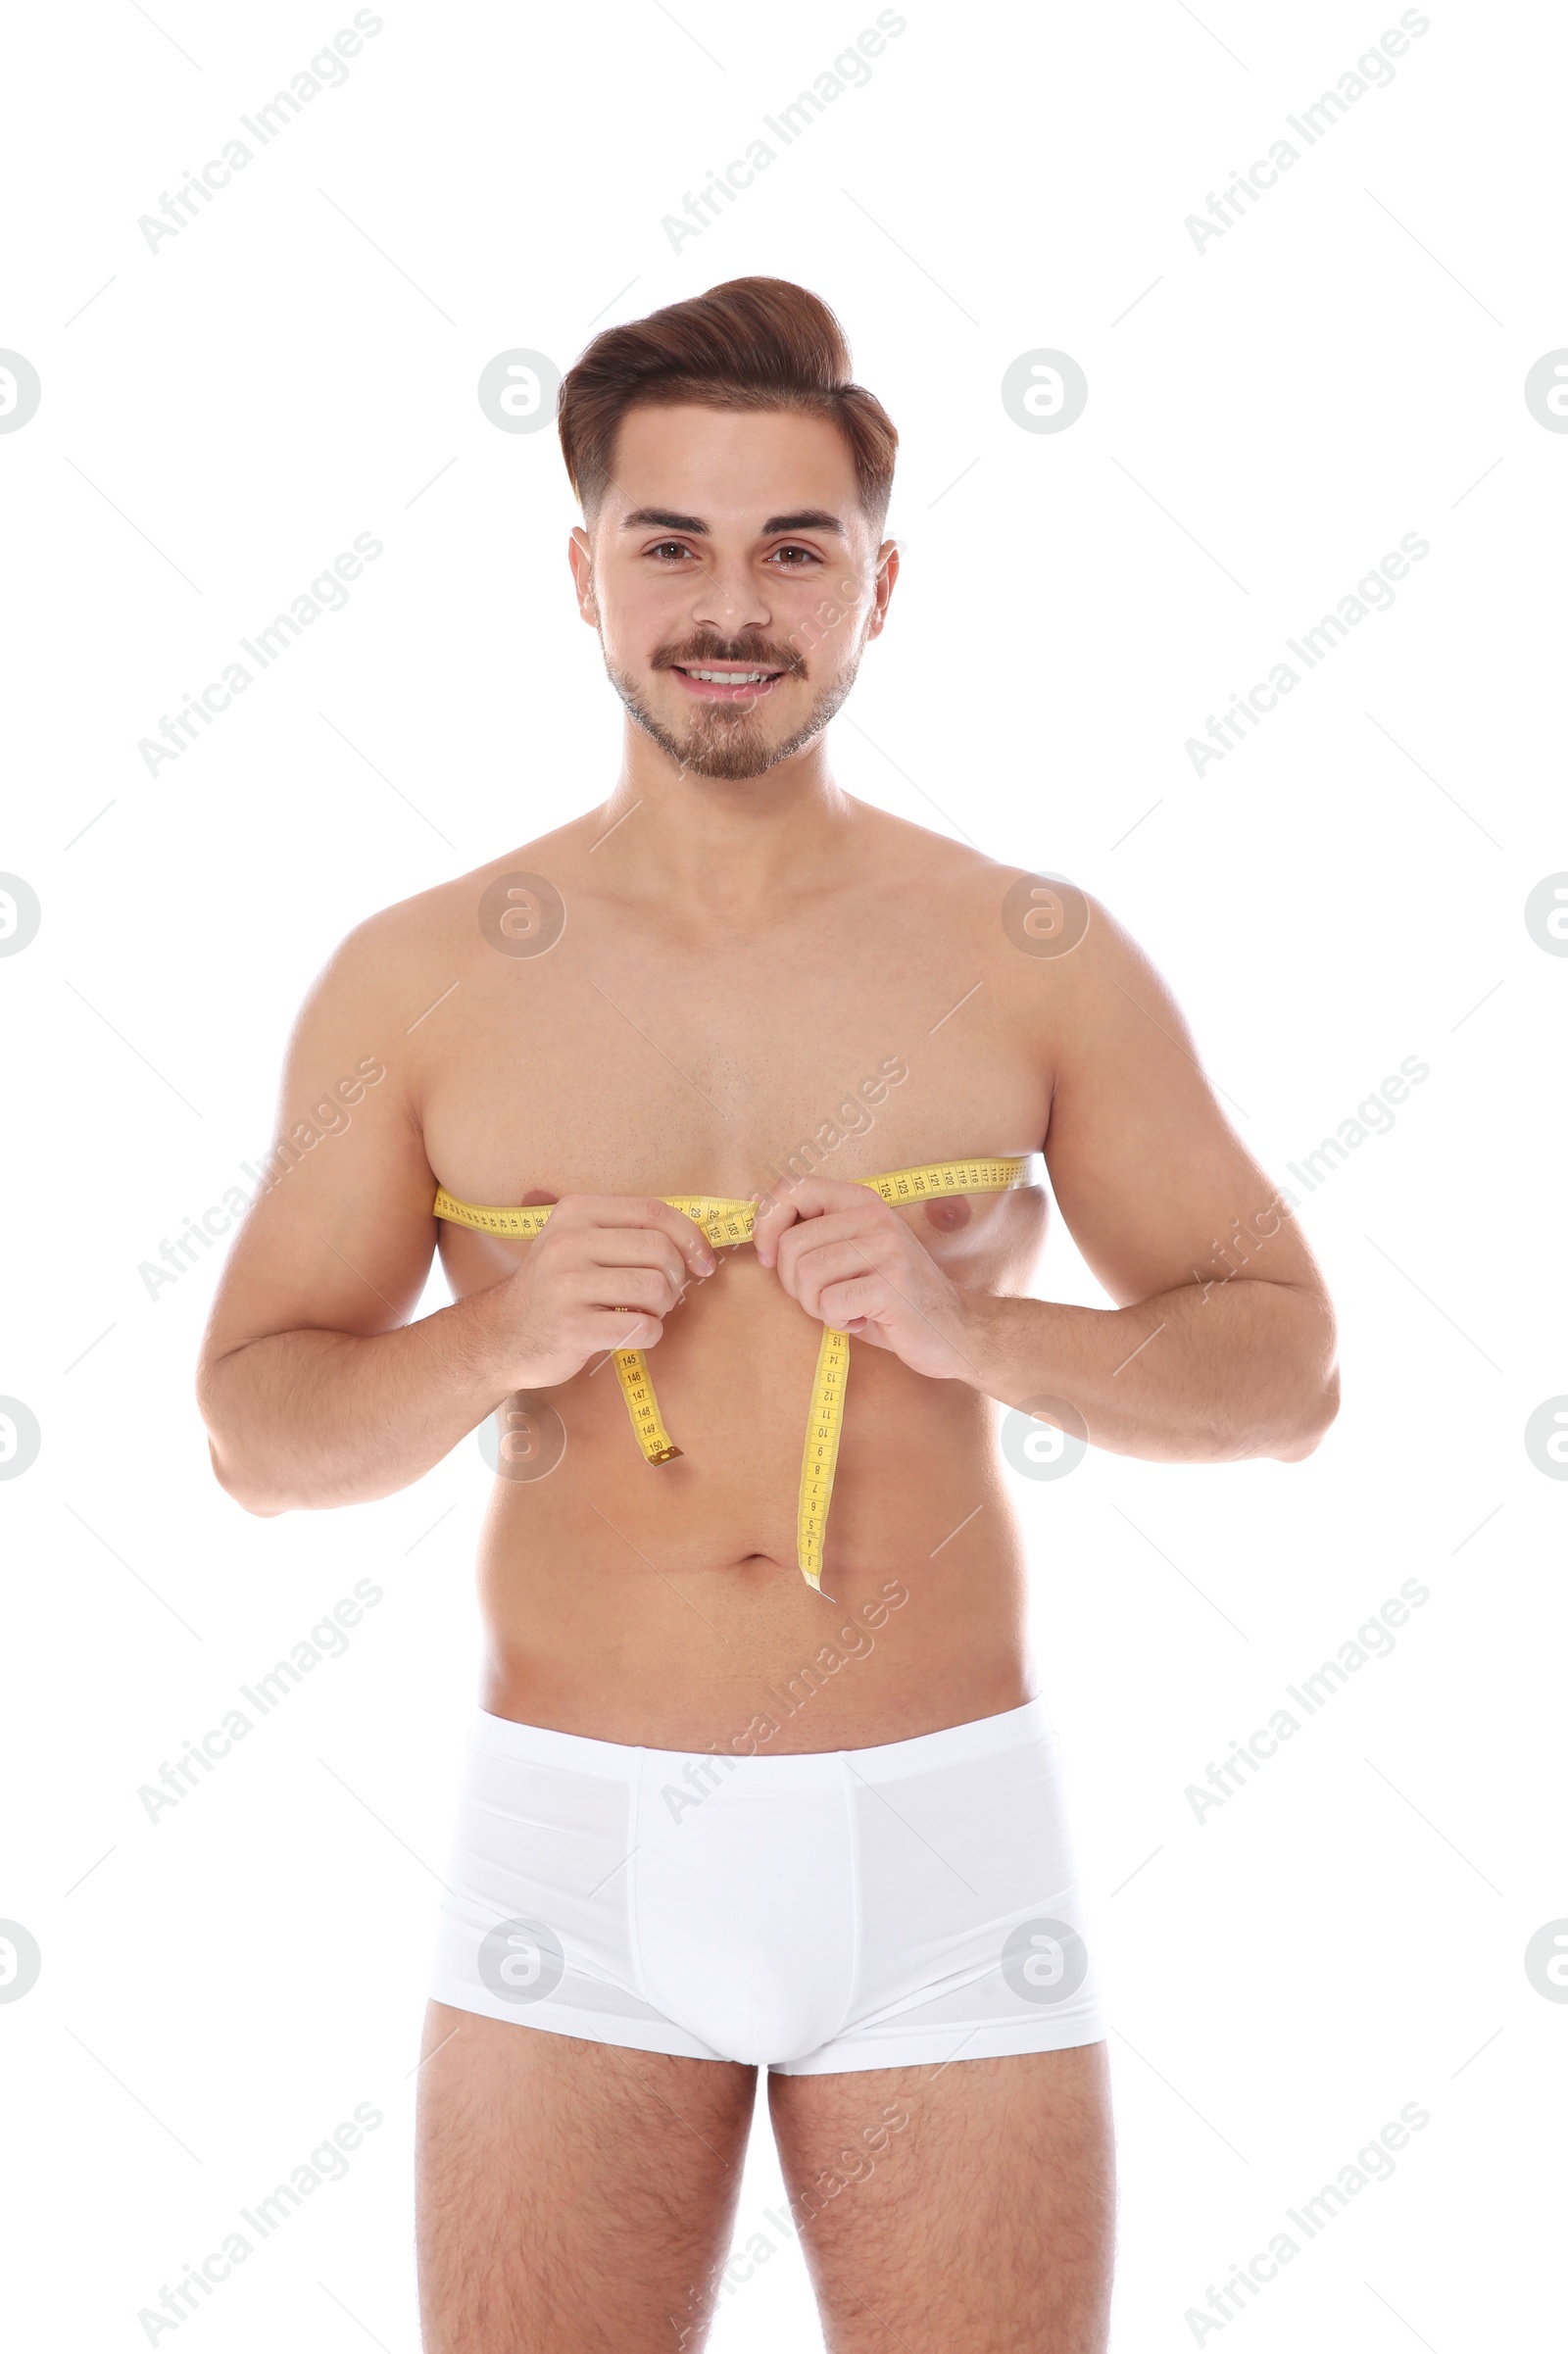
(731, 543)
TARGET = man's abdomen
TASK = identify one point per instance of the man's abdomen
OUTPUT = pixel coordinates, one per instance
(663, 1606)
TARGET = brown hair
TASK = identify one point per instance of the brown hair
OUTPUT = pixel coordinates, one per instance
(752, 343)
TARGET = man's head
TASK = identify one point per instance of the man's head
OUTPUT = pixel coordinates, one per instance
(734, 486)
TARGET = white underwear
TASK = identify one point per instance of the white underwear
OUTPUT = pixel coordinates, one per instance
(887, 1907)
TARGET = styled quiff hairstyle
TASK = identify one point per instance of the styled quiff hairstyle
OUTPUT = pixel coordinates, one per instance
(752, 343)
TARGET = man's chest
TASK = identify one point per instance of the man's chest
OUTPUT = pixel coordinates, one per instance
(619, 1065)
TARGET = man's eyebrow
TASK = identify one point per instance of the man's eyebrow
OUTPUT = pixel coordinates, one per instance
(809, 519)
(662, 518)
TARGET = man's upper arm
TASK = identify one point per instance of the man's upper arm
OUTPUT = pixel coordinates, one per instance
(1148, 1173)
(341, 1236)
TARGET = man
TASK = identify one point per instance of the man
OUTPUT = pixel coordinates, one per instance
(720, 1814)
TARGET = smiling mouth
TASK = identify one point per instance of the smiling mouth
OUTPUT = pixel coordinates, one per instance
(725, 682)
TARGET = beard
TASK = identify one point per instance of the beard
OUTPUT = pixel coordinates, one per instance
(729, 742)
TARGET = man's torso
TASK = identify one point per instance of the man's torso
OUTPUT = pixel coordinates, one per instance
(880, 1021)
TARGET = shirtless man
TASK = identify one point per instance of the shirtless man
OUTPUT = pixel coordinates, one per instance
(720, 1814)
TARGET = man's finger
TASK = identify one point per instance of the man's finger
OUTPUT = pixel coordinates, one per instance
(804, 1265)
(805, 1198)
(846, 1306)
(640, 1209)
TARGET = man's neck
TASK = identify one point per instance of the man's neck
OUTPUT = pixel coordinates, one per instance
(721, 847)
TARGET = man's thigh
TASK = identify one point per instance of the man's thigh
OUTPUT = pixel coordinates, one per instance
(570, 2195)
(982, 2225)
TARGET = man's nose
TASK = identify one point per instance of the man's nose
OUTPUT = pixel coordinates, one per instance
(730, 601)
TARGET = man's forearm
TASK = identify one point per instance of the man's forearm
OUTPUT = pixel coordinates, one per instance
(304, 1419)
(1203, 1374)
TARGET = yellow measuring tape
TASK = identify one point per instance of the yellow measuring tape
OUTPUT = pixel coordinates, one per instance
(726, 1221)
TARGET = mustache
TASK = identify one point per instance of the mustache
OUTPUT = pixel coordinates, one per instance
(750, 652)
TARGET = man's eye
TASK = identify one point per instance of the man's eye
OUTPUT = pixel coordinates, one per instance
(809, 555)
(669, 547)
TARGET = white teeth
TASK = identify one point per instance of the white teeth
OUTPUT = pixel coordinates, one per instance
(730, 678)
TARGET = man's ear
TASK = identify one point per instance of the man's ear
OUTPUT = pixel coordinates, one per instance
(580, 555)
(887, 573)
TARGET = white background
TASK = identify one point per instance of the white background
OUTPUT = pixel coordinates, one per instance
(1266, 418)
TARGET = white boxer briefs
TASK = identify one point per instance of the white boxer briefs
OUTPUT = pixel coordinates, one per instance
(909, 1903)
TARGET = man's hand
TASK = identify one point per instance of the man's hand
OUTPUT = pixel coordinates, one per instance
(604, 1274)
(853, 1263)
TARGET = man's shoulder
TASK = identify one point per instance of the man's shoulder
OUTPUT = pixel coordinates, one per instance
(1046, 947)
(449, 914)
(1023, 905)
(896, 847)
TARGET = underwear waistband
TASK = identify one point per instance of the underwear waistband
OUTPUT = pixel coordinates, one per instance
(800, 1769)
